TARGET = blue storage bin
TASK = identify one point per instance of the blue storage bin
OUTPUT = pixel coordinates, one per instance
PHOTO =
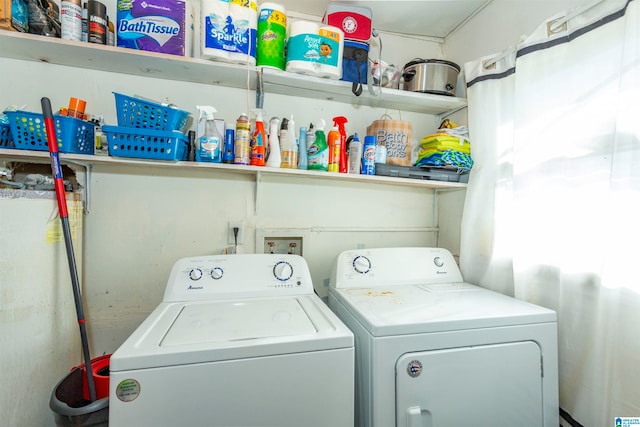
(5, 136)
(146, 143)
(29, 133)
(144, 114)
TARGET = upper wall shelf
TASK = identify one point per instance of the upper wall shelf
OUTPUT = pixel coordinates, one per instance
(31, 47)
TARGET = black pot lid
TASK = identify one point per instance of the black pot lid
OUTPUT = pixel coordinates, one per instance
(417, 61)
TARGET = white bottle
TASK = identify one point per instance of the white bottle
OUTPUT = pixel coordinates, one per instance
(290, 148)
(355, 154)
(274, 159)
(209, 147)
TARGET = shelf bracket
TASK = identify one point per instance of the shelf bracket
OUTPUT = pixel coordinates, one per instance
(86, 190)
(257, 194)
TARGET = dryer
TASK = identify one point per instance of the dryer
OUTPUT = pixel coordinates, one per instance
(238, 340)
(432, 350)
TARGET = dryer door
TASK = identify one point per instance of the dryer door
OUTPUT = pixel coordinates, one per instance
(491, 385)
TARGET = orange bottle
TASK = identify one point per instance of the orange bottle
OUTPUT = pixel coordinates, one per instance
(333, 141)
(258, 141)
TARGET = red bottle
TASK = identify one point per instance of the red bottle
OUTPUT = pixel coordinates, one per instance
(258, 141)
(339, 122)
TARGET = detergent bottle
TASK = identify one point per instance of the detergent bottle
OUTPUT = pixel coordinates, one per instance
(290, 147)
(274, 159)
(209, 147)
(258, 141)
(333, 141)
(318, 153)
(339, 121)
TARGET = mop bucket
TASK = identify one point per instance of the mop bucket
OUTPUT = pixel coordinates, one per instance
(70, 398)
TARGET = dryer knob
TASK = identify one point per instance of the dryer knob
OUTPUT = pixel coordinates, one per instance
(282, 271)
(438, 261)
(195, 274)
(361, 264)
(217, 273)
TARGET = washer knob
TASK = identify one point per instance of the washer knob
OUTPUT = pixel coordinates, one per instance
(438, 261)
(195, 274)
(282, 271)
(216, 273)
(361, 264)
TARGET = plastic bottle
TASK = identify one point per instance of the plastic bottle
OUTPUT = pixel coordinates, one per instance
(258, 149)
(290, 150)
(274, 158)
(339, 121)
(210, 143)
(355, 155)
(302, 149)
(318, 153)
(242, 144)
(85, 23)
(333, 141)
(369, 155)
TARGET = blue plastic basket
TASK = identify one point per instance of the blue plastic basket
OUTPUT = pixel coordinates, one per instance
(144, 114)
(5, 136)
(29, 133)
(146, 143)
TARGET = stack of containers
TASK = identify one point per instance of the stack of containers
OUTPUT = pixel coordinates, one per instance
(147, 130)
(355, 23)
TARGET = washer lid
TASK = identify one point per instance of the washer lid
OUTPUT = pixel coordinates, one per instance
(411, 309)
(222, 321)
(181, 333)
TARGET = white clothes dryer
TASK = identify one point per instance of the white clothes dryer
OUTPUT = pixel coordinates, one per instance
(432, 350)
(238, 340)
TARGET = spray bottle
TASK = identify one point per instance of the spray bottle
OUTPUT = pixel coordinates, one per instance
(333, 141)
(339, 121)
(258, 149)
(355, 154)
(274, 159)
(318, 153)
(302, 149)
(209, 147)
(290, 151)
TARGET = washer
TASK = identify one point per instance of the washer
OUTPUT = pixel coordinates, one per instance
(238, 340)
(432, 350)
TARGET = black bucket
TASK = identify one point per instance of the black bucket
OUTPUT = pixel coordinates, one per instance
(70, 407)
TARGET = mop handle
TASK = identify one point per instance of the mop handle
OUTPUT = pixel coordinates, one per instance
(64, 219)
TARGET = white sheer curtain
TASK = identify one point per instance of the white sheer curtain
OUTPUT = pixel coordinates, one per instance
(552, 214)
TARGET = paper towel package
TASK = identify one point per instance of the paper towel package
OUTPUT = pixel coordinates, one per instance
(164, 26)
(315, 49)
(228, 30)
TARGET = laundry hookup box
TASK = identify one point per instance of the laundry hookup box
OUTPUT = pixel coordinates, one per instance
(163, 26)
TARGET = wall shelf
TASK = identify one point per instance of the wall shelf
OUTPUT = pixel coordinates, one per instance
(83, 159)
(36, 48)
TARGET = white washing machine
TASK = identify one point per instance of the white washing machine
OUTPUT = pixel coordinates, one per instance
(238, 340)
(432, 350)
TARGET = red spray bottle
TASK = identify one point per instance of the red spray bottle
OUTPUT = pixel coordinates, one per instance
(339, 121)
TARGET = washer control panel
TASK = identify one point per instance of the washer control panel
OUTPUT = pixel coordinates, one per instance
(239, 275)
(365, 268)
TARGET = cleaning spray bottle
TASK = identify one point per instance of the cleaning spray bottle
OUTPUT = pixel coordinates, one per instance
(355, 154)
(302, 149)
(333, 141)
(318, 153)
(274, 159)
(209, 147)
(340, 121)
(258, 149)
(290, 151)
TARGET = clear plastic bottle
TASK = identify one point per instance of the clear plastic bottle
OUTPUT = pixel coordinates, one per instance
(302, 149)
(290, 146)
(210, 143)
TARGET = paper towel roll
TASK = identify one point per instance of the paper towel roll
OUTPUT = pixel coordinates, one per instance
(332, 66)
(272, 32)
(228, 31)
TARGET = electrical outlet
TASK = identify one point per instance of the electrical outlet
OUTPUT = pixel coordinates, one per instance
(232, 238)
